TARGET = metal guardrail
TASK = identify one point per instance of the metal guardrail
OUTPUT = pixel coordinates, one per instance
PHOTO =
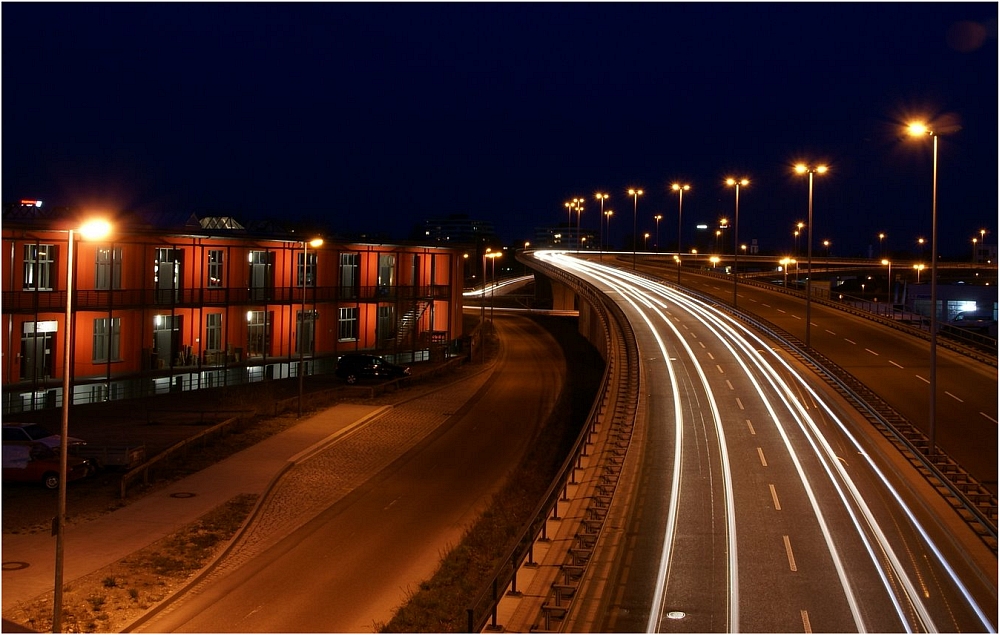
(619, 397)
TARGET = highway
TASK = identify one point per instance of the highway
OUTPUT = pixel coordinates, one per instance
(760, 501)
(354, 563)
(894, 364)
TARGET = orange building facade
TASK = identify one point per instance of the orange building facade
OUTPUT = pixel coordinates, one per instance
(210, 304)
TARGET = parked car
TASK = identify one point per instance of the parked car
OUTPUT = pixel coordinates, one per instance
(355, 366)
(40, 464)
(32, 433)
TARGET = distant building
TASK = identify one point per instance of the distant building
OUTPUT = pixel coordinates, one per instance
(458, 229)
(172, 303)
(565, 237)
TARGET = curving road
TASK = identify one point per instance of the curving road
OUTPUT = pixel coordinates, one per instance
(762, 503)
(353, 564)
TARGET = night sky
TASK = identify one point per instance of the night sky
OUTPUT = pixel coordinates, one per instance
(373, 117)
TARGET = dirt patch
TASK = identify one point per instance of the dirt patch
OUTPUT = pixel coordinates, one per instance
(111, 598)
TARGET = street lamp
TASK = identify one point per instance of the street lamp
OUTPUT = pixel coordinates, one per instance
(736, 232)
(314, 243)
(601, 197)
(579, 214)
(921, 130)
(920, 241)
(887, 263)
(635, 194)
(656, 241)
(801, 168)
(680, 189)
(608, 214)
(95, 229)
(493, 276)
(677, 259)
(645, 241)
(974, 240)
(881, 239)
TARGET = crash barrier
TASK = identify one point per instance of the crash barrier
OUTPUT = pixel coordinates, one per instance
(605, 437)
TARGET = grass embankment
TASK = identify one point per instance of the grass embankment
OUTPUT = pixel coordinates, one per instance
(440, 604)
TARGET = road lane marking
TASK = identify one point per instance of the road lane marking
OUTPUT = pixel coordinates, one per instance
(954, 397)
(806, 626)
(796, 317)
(702, 344)
(926, 381)
(894, 364)
(760, 453)
(754, 432)
(988, 417)
(781, 311)
(872, 352)
(740, 404)
(768, 305)
(850, 341)
(720, 369)
(829, 331)
(710, 356)
(730, 384)
(774, 497)
(788, 552)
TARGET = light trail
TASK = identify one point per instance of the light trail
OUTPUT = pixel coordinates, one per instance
(743, 344)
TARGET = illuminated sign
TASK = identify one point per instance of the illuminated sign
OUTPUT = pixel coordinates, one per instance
(31, 203)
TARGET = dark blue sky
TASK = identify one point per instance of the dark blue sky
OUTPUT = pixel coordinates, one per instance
(372, 117)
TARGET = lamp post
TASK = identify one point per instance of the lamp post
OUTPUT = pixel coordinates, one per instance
(736, 232)
(801, 168)
(90, 230)
(881, 240)
(656, 239)
(974, 240)
(608, 214)
(921, 241)
(798, 230)
(887, 263)
(493, 283)
(579, 215)
(677, 259)
(918, 269)
(601, 197)
(680, 189)
(635, 194)
(645, 241)
(314, 243)
(569, 223)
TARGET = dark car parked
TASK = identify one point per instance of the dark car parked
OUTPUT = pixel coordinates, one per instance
(40, 464)
(355, 366)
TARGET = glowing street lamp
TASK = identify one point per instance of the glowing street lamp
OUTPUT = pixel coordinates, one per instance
(579, 215)
(918, 269)
(802, 168)
(608, 214)
(94, 229)
(645, 241)
(881, 239)
(680, 189)
(921, 130)
(314, 243)
(974, 240)
(656, 241)
(601, 197)
(888, 264)
(736, 232)
(635, 194)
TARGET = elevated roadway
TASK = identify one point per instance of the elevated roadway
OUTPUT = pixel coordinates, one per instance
(760, 501)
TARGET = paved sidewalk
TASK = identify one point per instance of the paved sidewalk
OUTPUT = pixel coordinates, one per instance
(29, 560)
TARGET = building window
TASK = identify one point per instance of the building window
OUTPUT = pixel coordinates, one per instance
(213, 332)
(107, 340)
(305, 334)
(39, 267)
(108, 270)
(350, 281)
(258, 333)
(348, 324)
(385, 327)
(386, 272)
(215, 279)
(307, 272)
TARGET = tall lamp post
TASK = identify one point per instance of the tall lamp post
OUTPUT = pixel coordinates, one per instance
(888, 263)
(656, 239)
(798, 230)
(90, 230)
(921, 130)
(579, 215)
(314, 243)
(736, 232)
(608, 214)
(680, 189)
(881, 241)
(493, 282)
(635, 194)
(601, 197)
(802, 168)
